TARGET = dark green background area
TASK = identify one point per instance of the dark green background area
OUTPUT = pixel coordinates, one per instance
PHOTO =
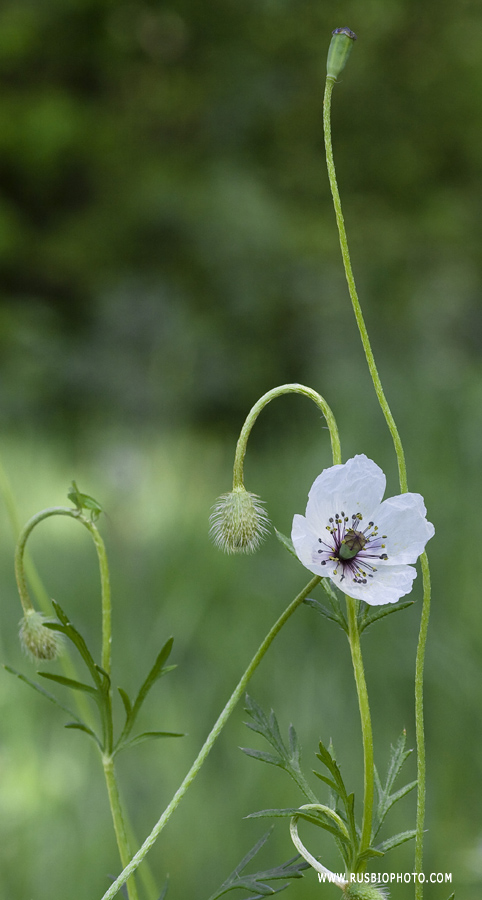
(168, 253)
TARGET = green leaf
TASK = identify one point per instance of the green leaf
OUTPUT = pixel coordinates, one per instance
(371, 614)
(386, 798)
(337, 784)
(277, 813)
(315, 817)
(68, 629)
(265, 757)
(84, 501)
(81, 727)
(293, 868)
(287, 543)
(324, 611)
(147, 735)
(68, 682)
(284, 757)
(41, 690)
(395, 841)
(126, 701)
(157, 671)
(164, 890)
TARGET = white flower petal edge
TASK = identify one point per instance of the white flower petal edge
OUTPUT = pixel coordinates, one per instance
(360, 542)
(359, 483)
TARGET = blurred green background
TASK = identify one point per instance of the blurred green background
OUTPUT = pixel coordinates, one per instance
(168, 253)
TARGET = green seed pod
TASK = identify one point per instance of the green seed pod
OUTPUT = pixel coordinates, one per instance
(339, 51)
(353, 542)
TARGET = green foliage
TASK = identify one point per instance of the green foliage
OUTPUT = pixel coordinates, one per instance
(84, 501)
(100, 691)
(386, 798)
(338, 818)
(293, 868)
(287, 758)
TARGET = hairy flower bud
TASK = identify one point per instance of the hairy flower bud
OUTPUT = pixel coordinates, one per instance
(355, 891)
(37, 641)
(238, 522)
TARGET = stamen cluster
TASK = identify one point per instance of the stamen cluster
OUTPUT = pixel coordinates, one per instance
(352, 547)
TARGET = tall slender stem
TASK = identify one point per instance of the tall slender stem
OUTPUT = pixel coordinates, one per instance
(118, 820)
(419, 724)
(352, 288)
(210, 740)
(106, 594)
(402, 472)
(366, 724)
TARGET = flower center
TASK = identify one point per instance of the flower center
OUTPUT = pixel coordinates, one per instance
(352, 543)
(352, 546)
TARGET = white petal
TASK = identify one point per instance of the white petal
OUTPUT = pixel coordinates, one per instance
(386, 586)
(356, 486)
(403, 520)
(306, 544)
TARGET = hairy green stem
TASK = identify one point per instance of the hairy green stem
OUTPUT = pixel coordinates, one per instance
(118, 820)
(366, 725)
(419, 724)
(352, 288)
(402, 472)
(260, 405)
(210, 740)
(105, 592)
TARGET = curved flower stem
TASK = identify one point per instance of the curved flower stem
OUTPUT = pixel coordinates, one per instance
(260, 405)
(103, 566)
(316, 865)
(107, 761)
(352, 288)
(210, 740)
(366, 724)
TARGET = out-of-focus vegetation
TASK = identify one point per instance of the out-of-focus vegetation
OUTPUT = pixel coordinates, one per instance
(167, 254)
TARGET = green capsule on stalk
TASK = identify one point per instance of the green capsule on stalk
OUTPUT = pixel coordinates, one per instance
(339, 51)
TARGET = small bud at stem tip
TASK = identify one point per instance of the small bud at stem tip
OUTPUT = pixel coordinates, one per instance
(339, 51)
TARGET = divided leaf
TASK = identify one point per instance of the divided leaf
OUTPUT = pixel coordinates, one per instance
(337, 785)
(284, 757)
(257, 882)
(386, 798)
(395, 841)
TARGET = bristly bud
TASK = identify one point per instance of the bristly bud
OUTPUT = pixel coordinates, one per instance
(37, 641)
(238, 522)
(356, 891)
(339, 51)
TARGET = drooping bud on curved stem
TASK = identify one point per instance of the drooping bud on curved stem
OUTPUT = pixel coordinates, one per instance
(339, 51)
(238, 520)
(30, 625)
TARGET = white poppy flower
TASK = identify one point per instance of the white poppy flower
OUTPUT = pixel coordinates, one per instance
(363, 544)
